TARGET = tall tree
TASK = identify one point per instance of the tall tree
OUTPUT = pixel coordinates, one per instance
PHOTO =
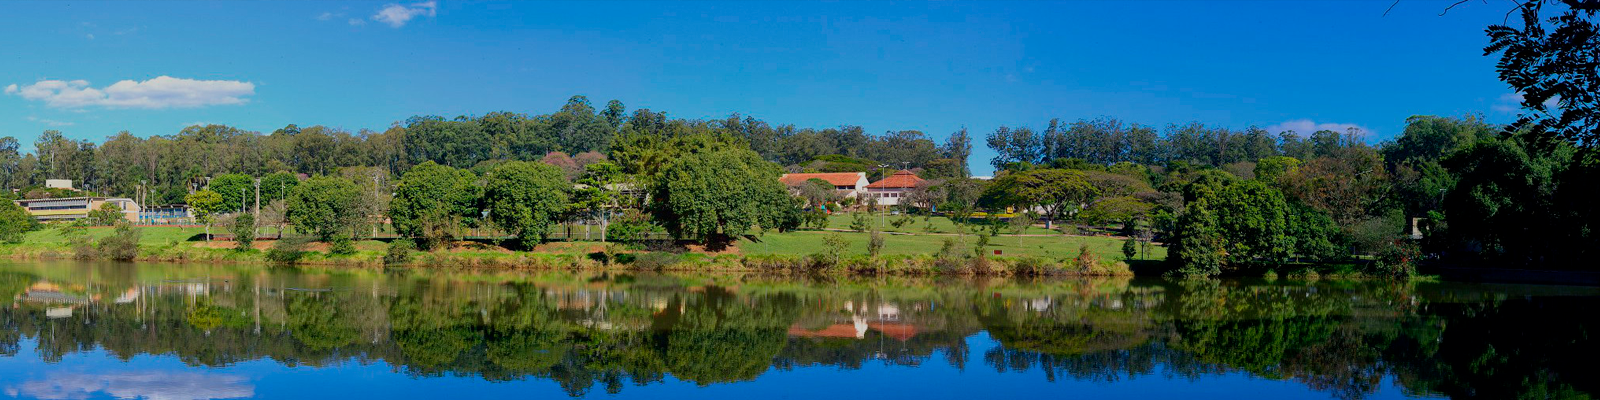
(433, 200)
(525, 198)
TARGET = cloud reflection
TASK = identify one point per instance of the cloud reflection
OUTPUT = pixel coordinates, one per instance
(136, 385)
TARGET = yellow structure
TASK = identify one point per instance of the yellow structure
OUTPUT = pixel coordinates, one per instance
(72, 208)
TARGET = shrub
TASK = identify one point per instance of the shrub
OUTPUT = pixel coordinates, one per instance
(833, 246)
(14, 222)
(288, 250)
(632, 226)
(107, 215)
(654, 260)
(342, 245)
(244, 231)
(1035, 266)
(950, 258)
(1396, 259)
(858, 222)
(875, 243)
(814, 219)
(1086, 262)
(1130, 248)
(399, 252)
(77, 236)
(122, 245)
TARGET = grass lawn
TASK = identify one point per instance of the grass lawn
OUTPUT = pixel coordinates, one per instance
(917, 224)
(1054, 247)
(156, 235)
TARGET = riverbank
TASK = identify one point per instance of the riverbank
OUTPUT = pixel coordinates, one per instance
(789, 252)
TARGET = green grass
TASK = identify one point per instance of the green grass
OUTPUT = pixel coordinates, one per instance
(156, 235)
(920, 224)
(1054, 247)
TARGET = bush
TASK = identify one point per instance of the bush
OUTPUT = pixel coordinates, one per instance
(632, 226)
(107, 215)
(814, 219)
(1130, 248)
(858, 222)
(875, 243)
(654, 260)
(950, 258)
(1086, 262)
(833, 247)
(14, 222)
(244, 231)
(399, 252)
(122, 245)
(1035, 266)
(77, 236)
(342, 245)
(288, 250)
(1396, 259)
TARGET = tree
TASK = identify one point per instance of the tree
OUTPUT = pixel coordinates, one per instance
(716, 196)
(1551, 60)
(597, 194)
(107, 215)
(205, 205)
(244, 231)
(15, 222)
(325, 206)
(237, 191)
(122, 244)
(276, 186)
(1055, 191)
(431, 201)
(817, 192)
(525, 198)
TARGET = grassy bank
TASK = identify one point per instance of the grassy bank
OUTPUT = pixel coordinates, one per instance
(791, 252)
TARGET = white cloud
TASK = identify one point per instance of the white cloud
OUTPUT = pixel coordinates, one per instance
(1307, 127)
(325, 16)
(137, 385)
(357, 22)
(397, 15)
(1511, 103)
(90, 36)
(50, 122)
(159, 92)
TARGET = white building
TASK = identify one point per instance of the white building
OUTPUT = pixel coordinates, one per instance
(849, 184)
(892, 191)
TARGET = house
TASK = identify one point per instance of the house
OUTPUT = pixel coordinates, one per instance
(892, 190)
(849, 184)
(72, 208)
(58, 184)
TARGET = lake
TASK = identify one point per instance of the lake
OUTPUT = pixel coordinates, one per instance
(162, 331)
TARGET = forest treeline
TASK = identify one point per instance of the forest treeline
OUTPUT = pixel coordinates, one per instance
(1225, 200)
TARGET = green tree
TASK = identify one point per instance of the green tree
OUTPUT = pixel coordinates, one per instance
(525, 198)
(325, 206)
(122, 244)
(15, 222)
(276, 186)
(716, 196)
(1057, 192)
(244, 231)
(205, 205)
(237, 191)
(431, 201)
(107, 215)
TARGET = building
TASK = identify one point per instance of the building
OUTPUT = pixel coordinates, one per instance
(166, 214)
(849, 184)
(892, 190)
(72, 208)
(58, 184)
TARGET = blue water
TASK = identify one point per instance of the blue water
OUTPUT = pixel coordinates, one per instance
(75, 331)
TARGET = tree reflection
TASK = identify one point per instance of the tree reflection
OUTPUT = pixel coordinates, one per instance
(584, 332)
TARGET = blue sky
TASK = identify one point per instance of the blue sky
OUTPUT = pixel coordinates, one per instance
(933, 67)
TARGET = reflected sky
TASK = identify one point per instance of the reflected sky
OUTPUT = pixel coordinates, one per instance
(82, 331)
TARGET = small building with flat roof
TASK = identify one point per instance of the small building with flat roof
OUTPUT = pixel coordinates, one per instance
(74, 208)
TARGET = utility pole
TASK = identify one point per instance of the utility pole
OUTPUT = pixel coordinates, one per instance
(256, 216)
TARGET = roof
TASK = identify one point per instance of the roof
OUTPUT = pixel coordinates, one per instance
(900, 179)
(835, 178)
(20, 201)
(898, 331)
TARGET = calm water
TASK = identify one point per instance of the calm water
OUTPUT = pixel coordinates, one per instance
(71, 331)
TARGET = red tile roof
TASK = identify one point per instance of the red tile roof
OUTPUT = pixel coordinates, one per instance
(841, 331)
(900, 179)
(898, 331)
(835, 178)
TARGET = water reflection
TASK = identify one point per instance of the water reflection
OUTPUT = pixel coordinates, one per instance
(609, 332)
